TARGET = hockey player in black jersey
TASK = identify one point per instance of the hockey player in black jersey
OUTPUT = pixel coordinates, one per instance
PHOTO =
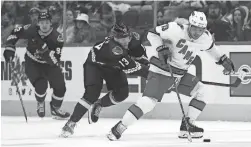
(119, 54)
(41, 62)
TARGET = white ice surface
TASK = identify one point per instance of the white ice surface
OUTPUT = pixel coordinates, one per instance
(145, 133)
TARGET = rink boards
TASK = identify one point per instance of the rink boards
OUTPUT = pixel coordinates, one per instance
(223, 103)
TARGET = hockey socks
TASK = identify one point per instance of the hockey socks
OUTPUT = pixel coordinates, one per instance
(56, 101)
(108, 100)
(80, 109)
(132, 115)
(40, 97)
(195, 108)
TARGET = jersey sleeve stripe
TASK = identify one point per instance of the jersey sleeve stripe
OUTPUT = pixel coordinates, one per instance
(154, 31)
(211, 46)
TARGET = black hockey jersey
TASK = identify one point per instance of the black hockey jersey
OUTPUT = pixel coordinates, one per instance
(38, 42)
(109, 53)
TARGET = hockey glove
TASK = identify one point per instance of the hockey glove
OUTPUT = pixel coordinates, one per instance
(164, 53)
(227, 64)
(8, 55)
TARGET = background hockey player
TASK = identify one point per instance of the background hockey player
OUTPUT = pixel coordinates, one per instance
(184, 43)
(41, 62)
(109, 60)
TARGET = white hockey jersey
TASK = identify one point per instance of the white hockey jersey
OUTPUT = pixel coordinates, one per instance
(184, 49)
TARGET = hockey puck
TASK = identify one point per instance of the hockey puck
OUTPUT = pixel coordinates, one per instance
(206, 140)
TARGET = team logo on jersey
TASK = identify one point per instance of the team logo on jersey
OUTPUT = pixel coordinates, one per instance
(242, 63)
(117, 50)
(27, 26)
(136, 35)
(60, 38)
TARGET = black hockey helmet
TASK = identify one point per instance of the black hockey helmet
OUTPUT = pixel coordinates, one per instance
(120, 30)
(44, 15)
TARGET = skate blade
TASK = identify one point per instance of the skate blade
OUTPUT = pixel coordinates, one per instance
(65, 134)
(183, 135)
(59, 118)
(111, 137)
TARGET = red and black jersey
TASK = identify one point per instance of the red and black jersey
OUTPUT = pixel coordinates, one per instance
(109, 53)
(37, 42)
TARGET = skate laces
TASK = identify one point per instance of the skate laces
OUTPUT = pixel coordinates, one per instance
(120, 128)
(60, 111)
(71, 124)
(192, 124)
(97, 110)
(40, 107)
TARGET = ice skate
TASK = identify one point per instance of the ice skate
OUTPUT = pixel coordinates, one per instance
(68, 129)
(116, 131)
(93, 113)
(41, 109)
(58, 114)
(196, 132)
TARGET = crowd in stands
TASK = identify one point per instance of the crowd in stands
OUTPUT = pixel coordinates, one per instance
(87, 22)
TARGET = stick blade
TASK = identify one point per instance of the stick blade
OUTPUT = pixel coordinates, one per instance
(237, 82)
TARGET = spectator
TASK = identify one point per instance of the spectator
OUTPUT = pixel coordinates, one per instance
(69, 26)
(80, 9)
(160, 20)
(238, 24)
(22, 15)
(56, 16)
(83, 31)
(247, 31)
(33, 13)
(10, 7)
(216, 25)
(107, 17)
(7, 26)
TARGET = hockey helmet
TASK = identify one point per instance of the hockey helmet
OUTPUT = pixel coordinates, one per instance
(198, 19)
(44, 15)
(120, 30)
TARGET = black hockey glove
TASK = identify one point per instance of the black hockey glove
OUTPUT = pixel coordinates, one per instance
(164, 53)
(8, 55)
(227, 64)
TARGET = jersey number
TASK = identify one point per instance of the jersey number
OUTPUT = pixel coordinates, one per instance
(124, 62)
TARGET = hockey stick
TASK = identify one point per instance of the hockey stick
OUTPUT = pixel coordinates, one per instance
(19, 94)
(180, 102)
(236, 83)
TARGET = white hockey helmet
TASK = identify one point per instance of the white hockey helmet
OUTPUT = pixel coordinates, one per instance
(198, 19)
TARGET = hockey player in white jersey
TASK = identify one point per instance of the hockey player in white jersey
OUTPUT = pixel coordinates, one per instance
(183, 44)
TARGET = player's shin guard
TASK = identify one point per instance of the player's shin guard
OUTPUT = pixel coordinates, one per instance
(56, 112)
(80, 109)
(40, 104)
